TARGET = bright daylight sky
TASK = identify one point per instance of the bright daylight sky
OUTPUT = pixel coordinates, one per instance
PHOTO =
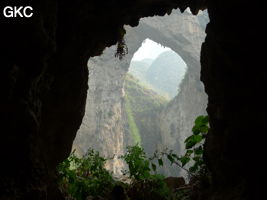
(149, 49)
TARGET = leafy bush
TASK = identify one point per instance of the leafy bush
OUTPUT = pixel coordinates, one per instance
(152, 188)
(137, 162)
(194, 145)
(145, 185)
(86, 176)
(81, 177)
(194, 149)
(122, 48)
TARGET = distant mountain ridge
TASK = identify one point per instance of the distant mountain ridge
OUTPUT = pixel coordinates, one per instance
(143, 106)
(103, 126)
(164, 74)
(139, 68)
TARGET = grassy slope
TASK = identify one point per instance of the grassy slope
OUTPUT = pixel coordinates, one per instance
(141, 96)
(131, 122)
(142, 106)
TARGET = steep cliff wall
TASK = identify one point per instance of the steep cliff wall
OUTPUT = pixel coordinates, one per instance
(44, 83)
(106, 76)
(102, 126)
(177, 119)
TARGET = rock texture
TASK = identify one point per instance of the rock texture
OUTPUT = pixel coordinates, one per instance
(103, 124)
(143, 105)
(44, 83)
(177, 120)
(106, 132)
(236, 107)
(44, 80)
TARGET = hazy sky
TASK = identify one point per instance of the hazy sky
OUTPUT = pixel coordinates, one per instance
(149, 49)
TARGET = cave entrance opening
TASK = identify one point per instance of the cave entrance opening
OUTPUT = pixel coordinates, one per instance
(109, 124)
(152, 81)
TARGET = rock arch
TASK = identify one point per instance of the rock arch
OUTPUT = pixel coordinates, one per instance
(106, 78)
(43, 93)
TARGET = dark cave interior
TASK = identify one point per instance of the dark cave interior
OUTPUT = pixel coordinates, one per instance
(44, 93)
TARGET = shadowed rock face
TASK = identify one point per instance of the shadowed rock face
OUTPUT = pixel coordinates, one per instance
(44, 82)
(104, 125)
(234, 74)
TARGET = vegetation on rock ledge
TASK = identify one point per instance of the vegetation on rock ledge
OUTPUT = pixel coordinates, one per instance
(81, 178)
(142, 106)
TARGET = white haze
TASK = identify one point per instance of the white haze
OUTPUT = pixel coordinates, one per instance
(149, 49)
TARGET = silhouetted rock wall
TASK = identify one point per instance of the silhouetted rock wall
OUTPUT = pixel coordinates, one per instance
(44, 86)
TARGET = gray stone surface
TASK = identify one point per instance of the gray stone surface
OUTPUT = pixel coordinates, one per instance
(104, 127)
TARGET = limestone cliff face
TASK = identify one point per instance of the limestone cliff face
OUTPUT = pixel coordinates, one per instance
(177, 119)
(44, 83)
(104, 126)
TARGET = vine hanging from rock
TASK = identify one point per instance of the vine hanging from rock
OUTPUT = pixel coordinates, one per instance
(122, 48)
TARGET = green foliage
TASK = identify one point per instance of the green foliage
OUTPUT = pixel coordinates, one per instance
(194, 149)
(192, 140)
(152, 188)
(201, 125)
(145, 185)
(81, 177)
(141, 105)
(142, 97)
(137, 162)
(122, 48)
(86, 176)
(160, 162)
(194, 144)
(134, 131)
